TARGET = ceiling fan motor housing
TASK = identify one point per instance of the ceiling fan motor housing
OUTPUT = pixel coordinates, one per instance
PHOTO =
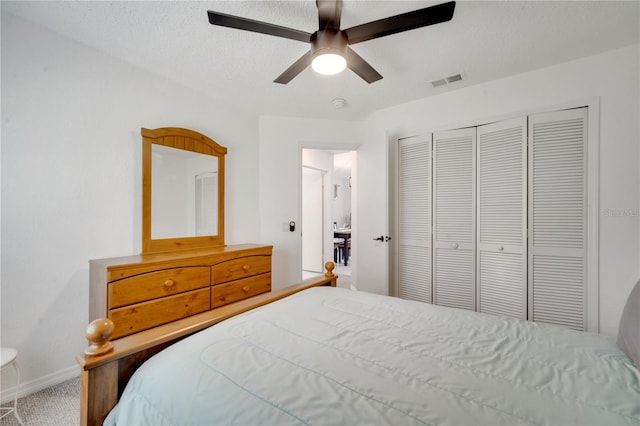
(329, 41)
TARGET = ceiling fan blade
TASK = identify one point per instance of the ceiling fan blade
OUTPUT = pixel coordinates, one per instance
(329, 14)
(224, 20)
(295, 69)
(403, 22)
(361, 67)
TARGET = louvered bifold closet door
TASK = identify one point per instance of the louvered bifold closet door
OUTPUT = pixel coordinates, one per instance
(414, 218)
(557, 217)
(501, 213)
(454, 218)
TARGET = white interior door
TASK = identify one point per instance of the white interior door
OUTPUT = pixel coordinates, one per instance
(312, 220)
(454, 223)
(502, 216)
(370, 266)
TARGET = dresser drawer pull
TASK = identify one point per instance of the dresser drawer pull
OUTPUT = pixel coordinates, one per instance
(168, 284)
(246, 289)
(246, 268)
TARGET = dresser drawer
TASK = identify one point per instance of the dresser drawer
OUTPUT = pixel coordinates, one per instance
(242, 267)
(157, 284)
(237, 290)
(141, 316)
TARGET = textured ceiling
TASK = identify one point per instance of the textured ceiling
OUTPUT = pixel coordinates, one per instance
(484, 41)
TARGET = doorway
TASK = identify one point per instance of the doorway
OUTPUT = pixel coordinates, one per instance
(322, 222)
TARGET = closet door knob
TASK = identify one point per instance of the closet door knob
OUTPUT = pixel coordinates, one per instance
(454, 245)
(501, 248)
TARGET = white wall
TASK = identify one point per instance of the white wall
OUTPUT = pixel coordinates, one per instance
(71, 182)
(280, 142)
(318, 159)
(281, 139)
(614, 78)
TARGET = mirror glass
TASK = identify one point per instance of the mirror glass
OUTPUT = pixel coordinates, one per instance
(184, 195)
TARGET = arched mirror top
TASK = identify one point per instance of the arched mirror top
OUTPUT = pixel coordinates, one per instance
(182, 190)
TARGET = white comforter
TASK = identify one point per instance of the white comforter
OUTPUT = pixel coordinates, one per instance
(330, 356)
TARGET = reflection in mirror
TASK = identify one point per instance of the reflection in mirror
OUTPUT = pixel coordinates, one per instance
(184, 197)
(207, 203)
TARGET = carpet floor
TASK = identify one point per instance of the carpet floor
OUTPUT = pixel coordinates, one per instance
(55, 406)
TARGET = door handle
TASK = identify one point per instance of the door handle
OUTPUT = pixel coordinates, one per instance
(382, 238)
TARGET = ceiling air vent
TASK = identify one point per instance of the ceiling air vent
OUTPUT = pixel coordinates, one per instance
(446, 80)
(454, 78)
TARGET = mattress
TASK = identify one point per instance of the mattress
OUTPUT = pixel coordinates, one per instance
(331, 356)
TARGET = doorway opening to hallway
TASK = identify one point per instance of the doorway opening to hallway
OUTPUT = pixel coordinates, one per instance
(327, 225)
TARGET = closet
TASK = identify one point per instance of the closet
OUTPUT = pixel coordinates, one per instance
(493, 218)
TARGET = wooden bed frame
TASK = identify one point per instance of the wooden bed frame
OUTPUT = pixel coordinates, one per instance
(106, 366)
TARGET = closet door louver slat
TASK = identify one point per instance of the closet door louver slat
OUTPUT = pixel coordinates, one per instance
(454, 218)
(501, 218)
(454, 278)
(557, 218)
(414, 217)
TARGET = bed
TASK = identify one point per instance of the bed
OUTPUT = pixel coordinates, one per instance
(328, 355)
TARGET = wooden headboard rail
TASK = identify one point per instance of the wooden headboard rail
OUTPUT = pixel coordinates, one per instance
(104, 376)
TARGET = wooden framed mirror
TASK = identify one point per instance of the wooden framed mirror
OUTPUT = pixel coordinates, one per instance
(182, 190)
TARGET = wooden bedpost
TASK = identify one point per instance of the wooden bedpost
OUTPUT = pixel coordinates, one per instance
(98, 334)
(99, 393)
(329, 266)
(99, 385)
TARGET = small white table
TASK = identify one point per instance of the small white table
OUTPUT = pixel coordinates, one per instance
(8, 357)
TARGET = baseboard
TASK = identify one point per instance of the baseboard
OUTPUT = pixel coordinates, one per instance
(39, 384)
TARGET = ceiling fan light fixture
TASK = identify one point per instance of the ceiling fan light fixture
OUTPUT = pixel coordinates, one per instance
(329, 63)
(330, 49)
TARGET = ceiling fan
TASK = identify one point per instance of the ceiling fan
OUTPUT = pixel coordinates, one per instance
(330, 52)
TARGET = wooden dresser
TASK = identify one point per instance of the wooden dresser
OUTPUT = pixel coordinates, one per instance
(143, 291)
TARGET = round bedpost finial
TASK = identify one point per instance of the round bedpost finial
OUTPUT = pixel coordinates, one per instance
(98, 333)
(329, 266)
